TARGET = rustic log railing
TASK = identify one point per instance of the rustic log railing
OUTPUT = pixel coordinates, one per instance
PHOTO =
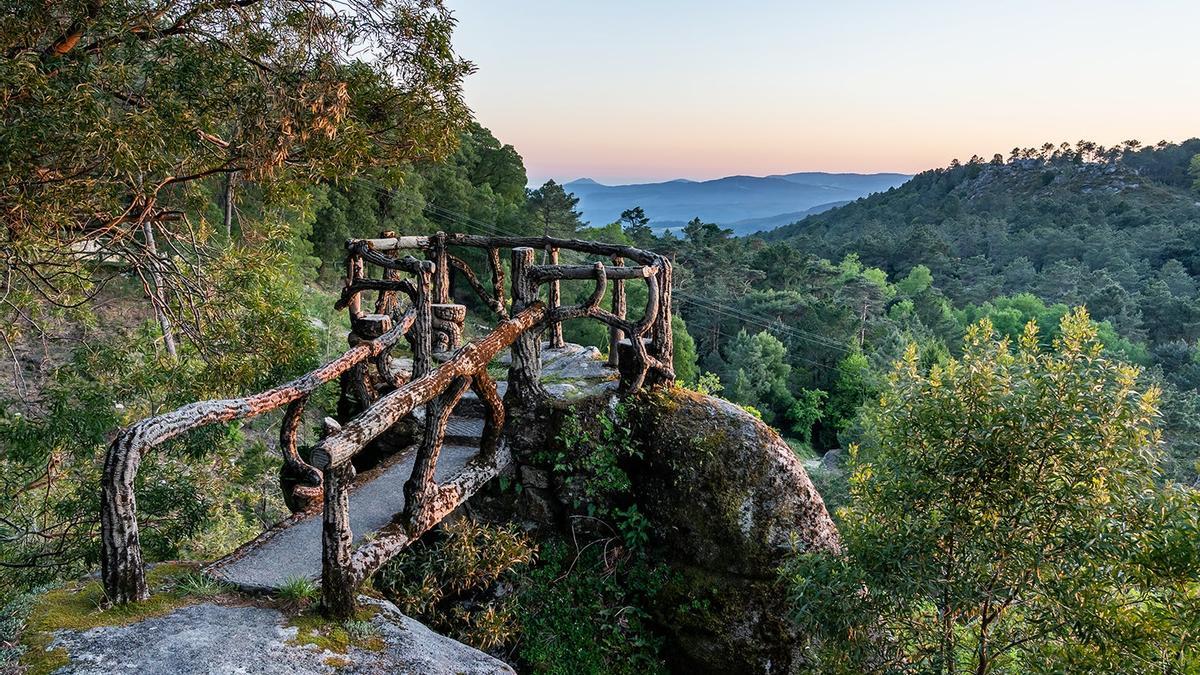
(375, 401)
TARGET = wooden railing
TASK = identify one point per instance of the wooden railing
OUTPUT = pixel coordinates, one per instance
(379, 397)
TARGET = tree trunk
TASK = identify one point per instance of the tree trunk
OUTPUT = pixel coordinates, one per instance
(121, 566)
(227, 198)
(339, 593)
(158, 295)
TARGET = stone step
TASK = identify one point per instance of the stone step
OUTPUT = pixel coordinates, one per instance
(293, 548)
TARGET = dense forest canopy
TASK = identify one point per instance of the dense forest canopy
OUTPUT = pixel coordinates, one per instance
(122, 119)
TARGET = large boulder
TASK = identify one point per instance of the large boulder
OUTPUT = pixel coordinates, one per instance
(728, 500)
(209, 637)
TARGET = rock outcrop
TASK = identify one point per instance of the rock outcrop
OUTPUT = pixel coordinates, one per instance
(208, 637)
(729, 500)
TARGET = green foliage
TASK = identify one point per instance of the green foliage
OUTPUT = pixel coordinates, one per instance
(450, 581)
(684, 355)
(298, 590)
(709, 383)
(1194, 171)
(1005, 518)
(274, 93)
(588, 458)
(552, 210)
(582, 611)
(312, 628)
(200, 585)
(804, 412)
(199, 495)
(757, 375)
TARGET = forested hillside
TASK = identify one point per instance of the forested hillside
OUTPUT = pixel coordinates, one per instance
(1012, 240)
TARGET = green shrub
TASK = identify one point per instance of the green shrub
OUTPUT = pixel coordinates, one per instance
(298, 590)
(582, 611)
(448, 580)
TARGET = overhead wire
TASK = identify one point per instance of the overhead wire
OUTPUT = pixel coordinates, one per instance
(765, 322)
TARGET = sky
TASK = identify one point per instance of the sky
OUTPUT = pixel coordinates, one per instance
(622, 91)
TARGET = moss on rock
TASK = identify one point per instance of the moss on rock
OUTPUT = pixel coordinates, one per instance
(82, 605)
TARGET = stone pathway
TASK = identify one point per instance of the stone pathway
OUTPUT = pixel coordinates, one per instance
(292, 549)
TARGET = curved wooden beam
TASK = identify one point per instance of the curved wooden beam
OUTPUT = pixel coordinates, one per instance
(340, 447)
(122, 568)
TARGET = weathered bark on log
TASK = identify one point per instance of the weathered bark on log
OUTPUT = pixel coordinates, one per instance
(437, 255)
(339, 593)
(398, 243)
(300, 482)
(553, 297)
(385, 302)
(495, 301)
(619, 309)
(493, 421)
(554, 272)
(395, 537)
(441, 272)
(593, 247)
(420, 488)
(662, 346)
(497, 280)
(420, 338)
(448, 323)
(469, 359)
(525, 370)
(358, 249)
(354, 272)
(121, 563)
(402, 285)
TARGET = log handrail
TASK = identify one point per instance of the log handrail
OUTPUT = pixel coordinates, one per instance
(385, 398)
(122, 567)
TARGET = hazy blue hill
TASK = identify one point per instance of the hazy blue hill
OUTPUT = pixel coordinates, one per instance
(859, 182)
(745, 203)
(752, 225)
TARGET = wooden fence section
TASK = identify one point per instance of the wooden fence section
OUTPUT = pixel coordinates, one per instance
(431, 322)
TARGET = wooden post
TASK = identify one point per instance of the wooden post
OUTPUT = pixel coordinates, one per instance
(525, 371)
(662, 346)
(441, 282)
(122, 568)
(420, 488)
(338, 594)
(420, 337)
(554, 300)
(618, 308)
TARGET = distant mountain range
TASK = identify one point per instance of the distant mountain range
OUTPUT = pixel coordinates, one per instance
(744, 203)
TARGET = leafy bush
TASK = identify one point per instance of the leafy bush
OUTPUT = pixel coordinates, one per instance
(452, 580)
(582, 611)
(588, 458)
(1005, 518)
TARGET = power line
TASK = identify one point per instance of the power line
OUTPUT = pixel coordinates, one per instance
(762, 321)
